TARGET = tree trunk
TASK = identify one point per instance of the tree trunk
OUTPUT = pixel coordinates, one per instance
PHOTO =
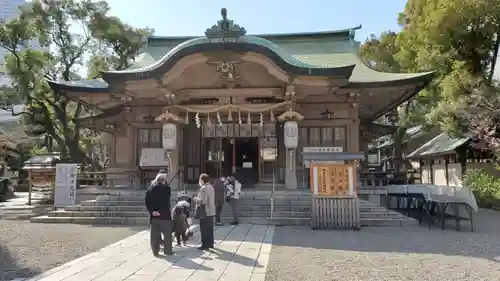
(398, 148)
(494, 59)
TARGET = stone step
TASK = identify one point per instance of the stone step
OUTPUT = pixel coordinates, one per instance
(226, 208)
(380, 215)
(403, 221)
(242, 197)
(145, 214)
(372, 209)
(23, 212)
(128, 206)
(242, 202)
(253, 220)
(145, 221)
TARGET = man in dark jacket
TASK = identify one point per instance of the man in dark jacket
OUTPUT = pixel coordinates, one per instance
(158, 205)
(220, 194)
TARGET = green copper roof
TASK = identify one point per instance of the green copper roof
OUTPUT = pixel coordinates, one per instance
(411, 133)
(440, 145)
(327, 50)
(324, 54)
(345, 33)
(226, 35)
(361, 73)
(241, 40)
(94, 85)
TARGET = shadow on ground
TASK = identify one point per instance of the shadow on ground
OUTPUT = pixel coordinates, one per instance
(132, 227)
(484, 242)
(11, 268)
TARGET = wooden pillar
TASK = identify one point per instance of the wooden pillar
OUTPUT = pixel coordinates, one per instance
(446, 161)
(431, 170)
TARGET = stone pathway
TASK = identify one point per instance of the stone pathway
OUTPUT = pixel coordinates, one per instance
(241, 253)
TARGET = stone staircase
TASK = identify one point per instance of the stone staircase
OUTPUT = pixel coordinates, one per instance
(374, 215)
(290, 208)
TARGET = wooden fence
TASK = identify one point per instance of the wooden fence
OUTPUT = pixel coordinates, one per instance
(335, 213)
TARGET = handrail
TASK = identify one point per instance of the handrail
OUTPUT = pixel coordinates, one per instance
(272, 193)
(175, 175)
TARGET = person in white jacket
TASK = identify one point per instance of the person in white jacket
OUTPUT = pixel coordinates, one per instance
(233, 190)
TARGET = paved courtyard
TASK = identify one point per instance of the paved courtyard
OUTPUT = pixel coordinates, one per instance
(253, 253)
(241, 253)
(389, 253)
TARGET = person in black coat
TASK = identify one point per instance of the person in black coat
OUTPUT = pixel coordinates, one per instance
(158, 205)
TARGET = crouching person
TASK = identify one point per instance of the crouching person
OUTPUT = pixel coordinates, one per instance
(180, 223)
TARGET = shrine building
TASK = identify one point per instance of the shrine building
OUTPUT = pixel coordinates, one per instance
(227, 96)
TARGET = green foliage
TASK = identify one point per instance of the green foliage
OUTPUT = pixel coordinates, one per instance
(486, 188)
(52, 23)
(379, 52)
(455, 38)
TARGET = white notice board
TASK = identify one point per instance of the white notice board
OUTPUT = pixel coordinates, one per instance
(154, 157)
(65, 185)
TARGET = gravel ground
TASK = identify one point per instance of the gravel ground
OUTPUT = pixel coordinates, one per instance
(395, 253)
(28, 249)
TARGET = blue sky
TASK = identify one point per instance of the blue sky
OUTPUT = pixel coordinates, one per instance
(192, 17)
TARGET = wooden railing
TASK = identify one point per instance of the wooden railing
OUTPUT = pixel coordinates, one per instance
(378, 180)
(91, 178)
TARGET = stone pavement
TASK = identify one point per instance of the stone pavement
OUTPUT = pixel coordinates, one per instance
(241, 253)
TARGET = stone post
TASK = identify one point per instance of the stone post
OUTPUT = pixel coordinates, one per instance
(174, 169)
(291, 136)
(291, 170)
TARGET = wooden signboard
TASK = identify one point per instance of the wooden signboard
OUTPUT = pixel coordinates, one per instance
(42, 177)
(336, 180)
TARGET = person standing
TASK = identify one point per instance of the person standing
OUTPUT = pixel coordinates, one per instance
(157, 202)
(206, 211)
(220, 193)
(233, 190)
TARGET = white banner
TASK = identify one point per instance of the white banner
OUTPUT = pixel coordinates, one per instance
(65, 185)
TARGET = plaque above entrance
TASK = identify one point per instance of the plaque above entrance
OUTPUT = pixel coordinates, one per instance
(224, 130)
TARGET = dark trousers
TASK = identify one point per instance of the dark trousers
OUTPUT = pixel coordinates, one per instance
(207, 232)
(234, 208)
(181, 236)
(218, 212)
(159, 227)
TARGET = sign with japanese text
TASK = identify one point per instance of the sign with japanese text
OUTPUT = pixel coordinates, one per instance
(65, 185)
(336, 180)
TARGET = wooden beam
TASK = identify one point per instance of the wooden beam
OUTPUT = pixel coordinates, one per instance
(254, 92)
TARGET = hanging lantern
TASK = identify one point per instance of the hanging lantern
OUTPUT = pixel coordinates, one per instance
(239, 117)
(249, 120)
(169, 136)
(261, 121)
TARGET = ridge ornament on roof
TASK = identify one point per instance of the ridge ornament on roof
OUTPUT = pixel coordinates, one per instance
(225, 28)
